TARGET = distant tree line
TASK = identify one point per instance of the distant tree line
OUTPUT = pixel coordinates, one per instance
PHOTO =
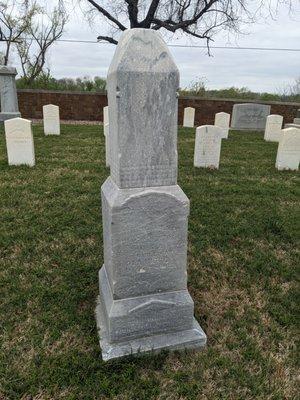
(47, 82)
(197, 88)
(288, 93)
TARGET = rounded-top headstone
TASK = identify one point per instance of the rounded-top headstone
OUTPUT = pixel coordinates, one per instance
(142, 86)
(288, 153)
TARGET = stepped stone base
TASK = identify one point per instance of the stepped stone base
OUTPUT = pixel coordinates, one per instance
(9, 115)
(145, 323)
(292, 126)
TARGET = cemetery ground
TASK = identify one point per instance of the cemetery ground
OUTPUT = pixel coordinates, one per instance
(242, 273)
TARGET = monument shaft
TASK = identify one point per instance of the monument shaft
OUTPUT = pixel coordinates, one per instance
(144, 303)
(8, 94)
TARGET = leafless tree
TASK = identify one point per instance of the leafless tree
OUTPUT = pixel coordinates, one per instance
(198, 18)
(42, 34)
(15, 20)
(296, 86)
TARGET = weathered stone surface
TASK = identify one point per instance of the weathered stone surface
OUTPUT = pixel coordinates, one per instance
(208, 146)
(172, 340)
(292, 126)
(19, 142)
(273, 128)
(222, 120)
(144, 303)
(51, 119)
(143, 111)
(105, 118)
(8, 93)
(298, 113)
(288, 153)
(297, 121)
(189, 117)
(145, 241)
(147, 315)
(250, 116)
(107, 146)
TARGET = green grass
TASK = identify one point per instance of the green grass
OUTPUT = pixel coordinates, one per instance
(242, 274)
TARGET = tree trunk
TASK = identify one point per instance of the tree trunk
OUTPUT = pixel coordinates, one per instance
(7, 52)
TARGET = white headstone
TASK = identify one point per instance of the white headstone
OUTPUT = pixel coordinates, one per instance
(273, 128)
(106, 134)
(51, 119)
(19, 142)
(208, 146)
(288, 153)
(222, 120)
(105, 118)
(189, 117)
(107, 147)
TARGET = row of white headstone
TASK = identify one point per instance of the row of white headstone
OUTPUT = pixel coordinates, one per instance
(273, 123)
(19, 138)
(272, 130)
(208, 148)
(222, 119)
(288, 153)
(209, 138)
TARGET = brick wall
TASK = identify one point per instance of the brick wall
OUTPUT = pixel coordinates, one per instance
(72, 105)
(89, 106)
(207, 108)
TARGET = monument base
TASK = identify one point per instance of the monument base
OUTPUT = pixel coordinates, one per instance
(145, 323)
(193, 338)
(246, 129)
(9, 115)
(292, 126)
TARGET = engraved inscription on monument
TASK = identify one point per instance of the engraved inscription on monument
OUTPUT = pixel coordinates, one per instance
(143, 148)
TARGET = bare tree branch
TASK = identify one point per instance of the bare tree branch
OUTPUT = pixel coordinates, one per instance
(198, 18)
(150, 15)
(32, 51)
(107, 39)
(133, 12)
(107, 15)
(15, 19)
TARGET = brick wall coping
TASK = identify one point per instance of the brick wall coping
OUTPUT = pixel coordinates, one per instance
(181, 97)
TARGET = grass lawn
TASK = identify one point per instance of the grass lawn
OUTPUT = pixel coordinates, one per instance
(242, 275)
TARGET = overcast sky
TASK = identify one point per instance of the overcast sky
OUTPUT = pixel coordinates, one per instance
(258, 70)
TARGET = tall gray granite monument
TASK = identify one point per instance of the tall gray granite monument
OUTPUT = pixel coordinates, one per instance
(144, 303)
(8, 93)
